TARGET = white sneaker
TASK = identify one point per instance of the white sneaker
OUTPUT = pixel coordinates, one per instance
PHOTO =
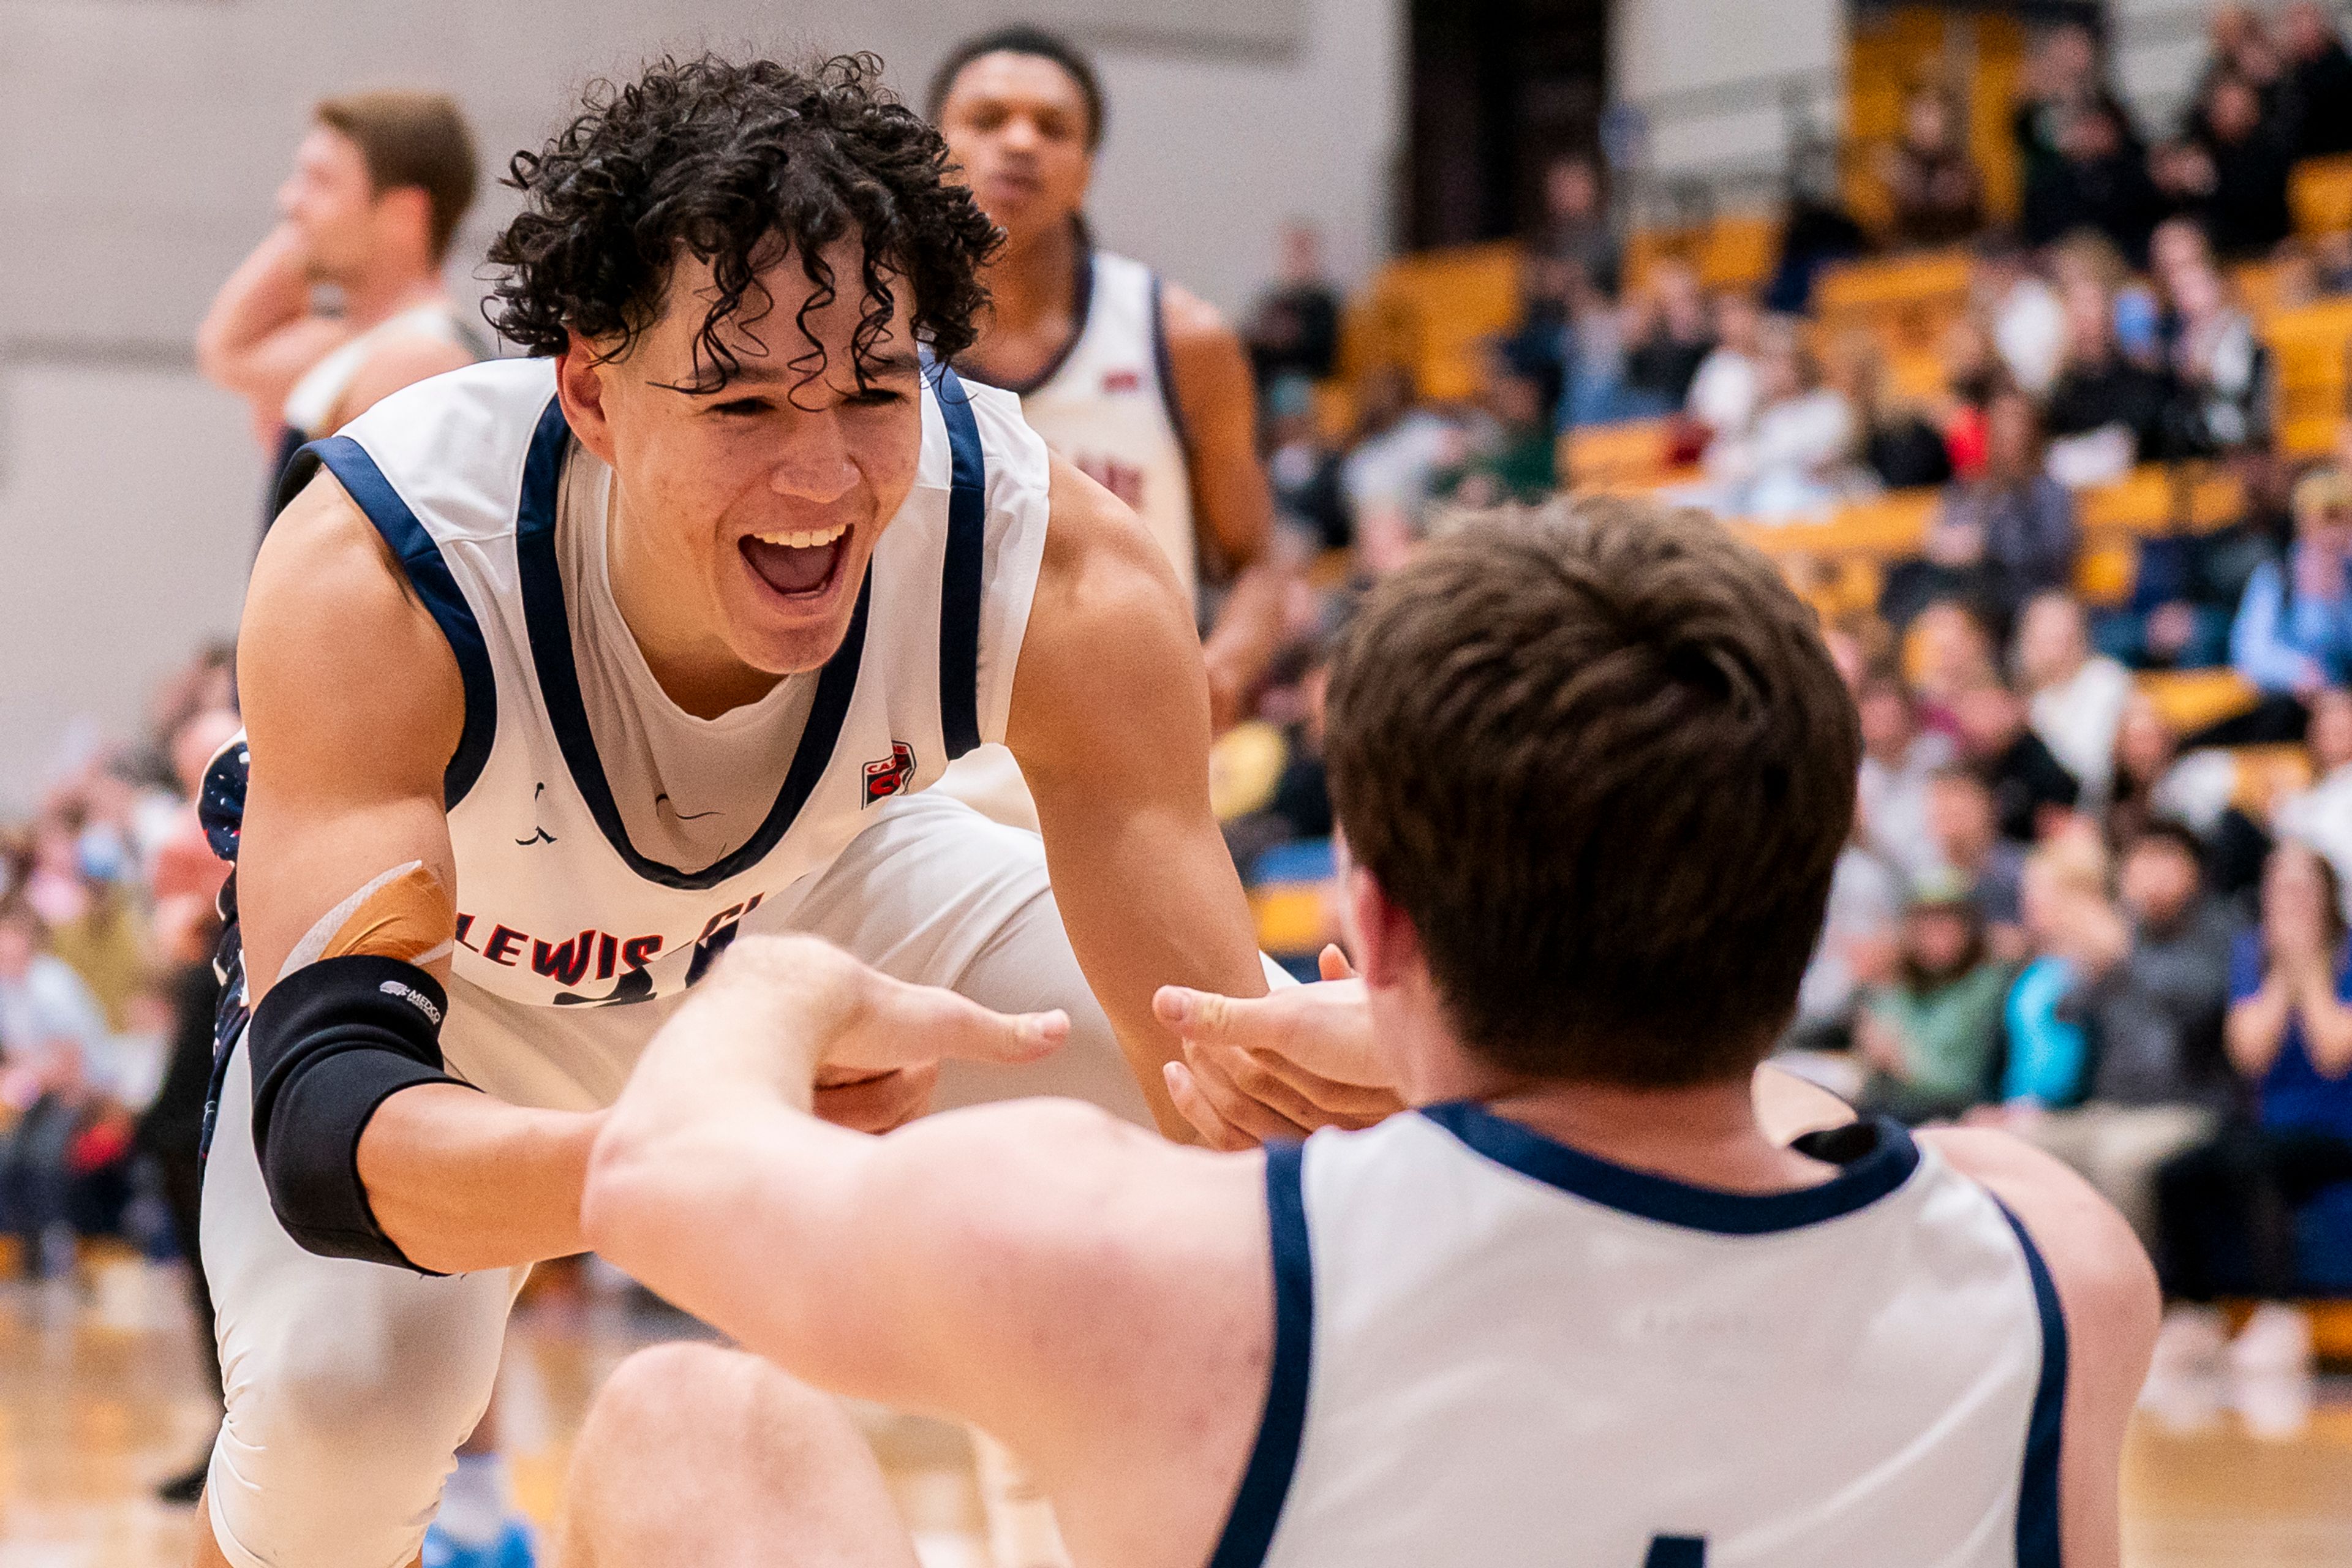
(2185, 1390)
(2271, 1380)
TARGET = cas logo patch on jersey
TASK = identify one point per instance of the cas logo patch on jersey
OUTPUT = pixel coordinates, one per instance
(1118, 380)
(894, 774)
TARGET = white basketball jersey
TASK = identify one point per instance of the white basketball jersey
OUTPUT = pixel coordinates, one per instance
(1108, 405)
(1492, 1350)
(562, 909)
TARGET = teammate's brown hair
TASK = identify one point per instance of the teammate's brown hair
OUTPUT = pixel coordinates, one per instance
(412, 138)
(1599, 755)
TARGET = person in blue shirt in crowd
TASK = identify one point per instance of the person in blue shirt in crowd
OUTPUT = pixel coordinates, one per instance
(2293, 630)
(2289, 1035)
(49, 1025)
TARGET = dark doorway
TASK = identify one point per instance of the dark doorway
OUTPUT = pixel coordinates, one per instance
(1499, 89)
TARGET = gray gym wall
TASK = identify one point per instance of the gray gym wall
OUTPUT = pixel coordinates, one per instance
(140, 141)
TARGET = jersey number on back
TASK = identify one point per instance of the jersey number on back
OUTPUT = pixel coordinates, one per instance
(1676, 1552)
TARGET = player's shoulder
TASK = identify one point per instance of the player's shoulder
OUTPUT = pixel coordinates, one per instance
(2107, 1287)
(1188, 321)
(333, 631)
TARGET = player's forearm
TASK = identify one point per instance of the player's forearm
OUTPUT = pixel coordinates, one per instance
(460, 1181)
(1245, 638)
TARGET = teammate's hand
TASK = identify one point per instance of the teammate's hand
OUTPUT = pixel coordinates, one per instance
(1279, 1066)
(865, 1025)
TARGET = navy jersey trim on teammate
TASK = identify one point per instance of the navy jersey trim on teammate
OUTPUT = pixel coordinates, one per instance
(962, 574)
(2037, 1491)
(1266, 1484)
(1162, 368)
(1876, 1157)
(428, 573)
(548, 623)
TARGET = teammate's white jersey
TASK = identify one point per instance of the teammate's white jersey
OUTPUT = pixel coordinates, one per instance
(315, 398)
(1108, 405)
(571, 898)
(1494, 1350)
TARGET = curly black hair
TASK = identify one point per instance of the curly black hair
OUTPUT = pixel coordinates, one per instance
(736, 164)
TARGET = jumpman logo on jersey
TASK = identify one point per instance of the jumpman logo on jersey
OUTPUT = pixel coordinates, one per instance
(538, 835)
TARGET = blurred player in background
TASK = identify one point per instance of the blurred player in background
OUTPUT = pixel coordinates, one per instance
(1138, 382)
(378, 187)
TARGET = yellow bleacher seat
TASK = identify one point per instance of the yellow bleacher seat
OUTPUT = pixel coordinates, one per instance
(2105, 573)
(2264, 774)
(1887, 528)
(2320, 194)
(2153, 499)
(1736, 250)
(2192, 699)
(1292, 918)
(1632, 454)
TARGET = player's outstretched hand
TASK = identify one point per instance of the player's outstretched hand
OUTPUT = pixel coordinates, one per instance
(1279, 1066)
(878, 1042)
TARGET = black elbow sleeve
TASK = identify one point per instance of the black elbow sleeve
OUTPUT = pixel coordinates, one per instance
(329, 1042)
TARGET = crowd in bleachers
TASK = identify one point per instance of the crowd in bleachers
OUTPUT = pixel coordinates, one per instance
(2072, 486)
(107, 928)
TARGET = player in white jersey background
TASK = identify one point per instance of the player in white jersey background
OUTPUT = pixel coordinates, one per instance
(1589, 1303)
(559, 672)
(1138, 381)
(379, 186)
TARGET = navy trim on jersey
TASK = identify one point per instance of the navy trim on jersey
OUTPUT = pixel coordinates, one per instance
(1266, 1484)
(962, 570)
(420, 559)
(1882, 1160)
(547, 622)
(2037, 1491)
(1162, 368)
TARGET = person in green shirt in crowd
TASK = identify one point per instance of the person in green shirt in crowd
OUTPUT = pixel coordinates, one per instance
(1928, 1039)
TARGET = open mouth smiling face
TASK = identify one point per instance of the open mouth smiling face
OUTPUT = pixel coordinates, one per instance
(756, 461)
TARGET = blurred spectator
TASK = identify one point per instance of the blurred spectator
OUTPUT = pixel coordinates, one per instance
(1398, 446)
(2320, 77)
(1594, 391)
(2153, 782)
(1722, 390)
(2070, 926)
(1576, 231)
(1997, 538)
(1932, 186)
(2078, 697)
(1899, 759)
(2289, 1034)
(1666, 336)
(2150, 1009)
(1510, 458)
(2031, 788)
(2232, 170)
(1817, 230)
(1795, 457)
(1898, 446)
(2029, 327)
(2294, 631)
(1859, 943)
(2218, 366)
(1295, 330)
(50, 1028)
(2063, 70)
(2320, 817)
(1973, 373)
(2108, 410)
(2098, 181)
(1929, 1037)
(1303, 470)
(1966, 831)
(1948, 650)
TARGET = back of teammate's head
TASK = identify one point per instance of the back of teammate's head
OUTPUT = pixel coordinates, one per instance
(1035, 42)
(1598, 757)
(412, 140)
(733, 164)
